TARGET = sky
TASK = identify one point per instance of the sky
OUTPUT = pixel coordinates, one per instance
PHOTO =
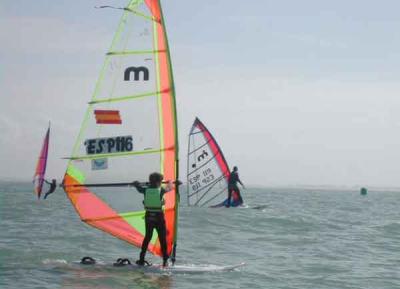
(295, 92)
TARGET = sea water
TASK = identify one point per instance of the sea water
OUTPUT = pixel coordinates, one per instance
(302, 239)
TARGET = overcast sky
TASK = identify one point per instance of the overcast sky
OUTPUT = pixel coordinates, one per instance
(296, 92)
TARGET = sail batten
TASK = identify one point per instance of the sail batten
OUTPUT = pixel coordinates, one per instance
(129, 131)
(148, 151)
(130, 97)
(135, 52)
(142, 15)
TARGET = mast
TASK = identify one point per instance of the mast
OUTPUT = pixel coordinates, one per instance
(172, 87)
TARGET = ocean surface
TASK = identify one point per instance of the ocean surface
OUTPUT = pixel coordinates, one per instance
(302, 239)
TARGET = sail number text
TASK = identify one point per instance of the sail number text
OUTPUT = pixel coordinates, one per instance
(109, 145)
(201, 179)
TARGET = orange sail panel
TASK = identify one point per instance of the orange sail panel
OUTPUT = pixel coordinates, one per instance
(129, 131)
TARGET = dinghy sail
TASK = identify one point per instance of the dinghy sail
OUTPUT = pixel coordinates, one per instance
(128, 132)
(207, 170)
(38, 177)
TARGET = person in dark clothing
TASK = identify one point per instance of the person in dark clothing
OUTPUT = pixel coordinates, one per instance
(233, 187)
(53, 186)
(154, 217)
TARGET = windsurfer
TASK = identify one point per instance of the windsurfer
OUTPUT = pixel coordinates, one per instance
(154, 218)
(233, 187)
(53, 186)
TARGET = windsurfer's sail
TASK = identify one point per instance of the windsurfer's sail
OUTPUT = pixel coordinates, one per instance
(207, 170)
(128, 132)
(38, 177)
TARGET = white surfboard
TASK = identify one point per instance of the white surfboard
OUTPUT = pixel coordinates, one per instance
(191, 268)
(158, 268)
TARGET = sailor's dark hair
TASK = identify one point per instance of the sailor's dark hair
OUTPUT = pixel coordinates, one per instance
(235, 168)
(155, 178)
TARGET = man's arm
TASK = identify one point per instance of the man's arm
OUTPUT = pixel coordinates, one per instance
(240, 182)
(138, 187)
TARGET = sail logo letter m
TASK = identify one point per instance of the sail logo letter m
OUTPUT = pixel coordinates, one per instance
(137, 72)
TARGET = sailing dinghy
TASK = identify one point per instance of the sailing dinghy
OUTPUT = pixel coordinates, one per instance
(129, 131)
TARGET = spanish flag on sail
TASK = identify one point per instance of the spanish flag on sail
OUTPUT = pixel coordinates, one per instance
(107, 116)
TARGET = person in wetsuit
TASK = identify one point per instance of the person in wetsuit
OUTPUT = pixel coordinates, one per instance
(232, 186)
(154, 217)
(53, 186)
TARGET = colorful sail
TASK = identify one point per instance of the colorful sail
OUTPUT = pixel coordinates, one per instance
(207, 170)
(38, 177)
(129, 131)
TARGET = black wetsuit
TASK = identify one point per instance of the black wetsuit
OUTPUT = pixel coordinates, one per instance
(154, 220)
(232, 186)
(53, 186)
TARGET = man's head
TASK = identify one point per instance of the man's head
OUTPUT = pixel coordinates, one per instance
(235, 168)
(155, 179)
